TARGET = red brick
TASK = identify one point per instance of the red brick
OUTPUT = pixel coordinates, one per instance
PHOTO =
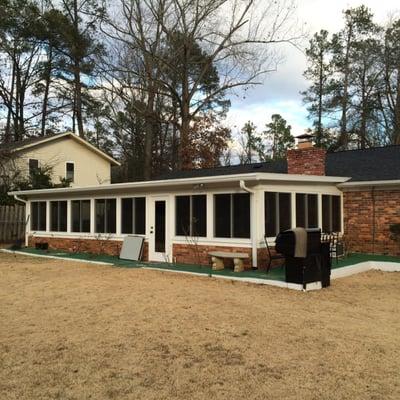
(308, 161)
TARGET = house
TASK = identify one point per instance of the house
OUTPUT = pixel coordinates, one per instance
(184, 215)
(67, 155)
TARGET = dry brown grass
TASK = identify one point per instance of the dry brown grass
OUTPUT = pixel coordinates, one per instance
(75, 331)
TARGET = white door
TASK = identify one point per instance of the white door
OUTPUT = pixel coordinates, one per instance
(159, 238)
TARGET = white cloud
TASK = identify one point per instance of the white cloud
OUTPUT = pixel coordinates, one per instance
(280, 92)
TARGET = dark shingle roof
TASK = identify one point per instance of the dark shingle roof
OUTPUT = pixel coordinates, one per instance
(270, 166)
(374, 164)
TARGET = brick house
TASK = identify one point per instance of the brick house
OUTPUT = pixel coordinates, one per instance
(184, 215)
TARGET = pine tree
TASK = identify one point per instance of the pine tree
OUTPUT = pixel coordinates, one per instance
(318, 73)
(278, 133)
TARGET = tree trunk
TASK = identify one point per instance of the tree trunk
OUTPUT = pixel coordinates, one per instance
(185, 153)
(343, 139)
(78, 99)
(363, 123)
(148, 140)
(77, 80)
(321, 77)
(46, 91)
(7, 133)
(396, 130)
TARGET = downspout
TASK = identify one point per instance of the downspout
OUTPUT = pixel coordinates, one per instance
(26, 219)
(253, 223)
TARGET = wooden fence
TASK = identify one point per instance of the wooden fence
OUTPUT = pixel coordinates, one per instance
(12, 223)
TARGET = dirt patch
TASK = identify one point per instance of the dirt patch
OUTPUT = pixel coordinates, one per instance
(76, 331)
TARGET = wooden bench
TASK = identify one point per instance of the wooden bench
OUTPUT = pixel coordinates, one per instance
(218, 263)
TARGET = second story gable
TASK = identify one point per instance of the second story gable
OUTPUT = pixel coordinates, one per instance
(67, 156)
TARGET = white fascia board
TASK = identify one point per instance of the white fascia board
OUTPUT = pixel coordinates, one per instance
(44, 140)
(394, 182)
(95, 149)
(75, 137)
(257, 177)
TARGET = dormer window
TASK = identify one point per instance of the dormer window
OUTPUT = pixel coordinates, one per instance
(70, 171)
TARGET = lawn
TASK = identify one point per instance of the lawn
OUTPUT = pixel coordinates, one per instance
(75, 331)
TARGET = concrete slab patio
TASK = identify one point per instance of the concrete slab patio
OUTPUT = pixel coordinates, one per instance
(350, 265)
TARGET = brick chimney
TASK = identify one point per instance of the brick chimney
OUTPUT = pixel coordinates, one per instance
(306, 159)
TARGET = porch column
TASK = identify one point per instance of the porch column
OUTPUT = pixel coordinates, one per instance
(27, 221)
(69, 216)
(118, 216)
(92, 217)
(254, 225)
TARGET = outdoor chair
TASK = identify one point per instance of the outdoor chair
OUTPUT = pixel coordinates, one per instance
(271, 257)
(336, 245)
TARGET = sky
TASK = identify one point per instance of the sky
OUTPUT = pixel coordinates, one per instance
(280, 92)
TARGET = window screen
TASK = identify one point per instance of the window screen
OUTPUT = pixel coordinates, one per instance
(306, 210)
(33, 166)
(80, 215)
(191, 215)
(232, 215)
(133, 215)
(38, 216)
(278, 212)
(105, 212)
(70, 171)
(58, 216)
(331, 213)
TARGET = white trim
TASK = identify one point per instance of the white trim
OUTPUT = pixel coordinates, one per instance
(258, 177)
(394, 182)
(386, 266)
(73, 136)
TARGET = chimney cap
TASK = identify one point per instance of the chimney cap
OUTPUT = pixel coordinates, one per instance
(305, 136)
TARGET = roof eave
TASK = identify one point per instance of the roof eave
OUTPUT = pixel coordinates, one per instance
(73, 136)
(258, 177)
(391, 182)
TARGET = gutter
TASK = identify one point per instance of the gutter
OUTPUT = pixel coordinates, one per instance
(265, 176)
(394, 182)
(253, 226)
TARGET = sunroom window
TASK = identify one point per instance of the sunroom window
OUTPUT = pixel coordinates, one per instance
(133, 215)
(306, 210)
(232, 215)
(38, 216)
(191, 215)
(80, 215)
(278, 213)
(58, 216)
(331, 213)
(105, 210)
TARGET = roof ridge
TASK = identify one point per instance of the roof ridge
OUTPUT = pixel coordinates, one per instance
(365, 149)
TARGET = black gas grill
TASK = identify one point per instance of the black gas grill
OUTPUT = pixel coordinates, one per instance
(315, 267)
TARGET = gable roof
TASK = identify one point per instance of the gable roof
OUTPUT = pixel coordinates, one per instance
(373, 164)
(36, 141)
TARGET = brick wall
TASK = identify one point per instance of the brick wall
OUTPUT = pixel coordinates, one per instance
(262, 259)
(307, 161)
(94, 246)
(198, 254)
(367, 217)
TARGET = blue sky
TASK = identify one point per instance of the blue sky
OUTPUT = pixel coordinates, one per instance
(280, 91)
